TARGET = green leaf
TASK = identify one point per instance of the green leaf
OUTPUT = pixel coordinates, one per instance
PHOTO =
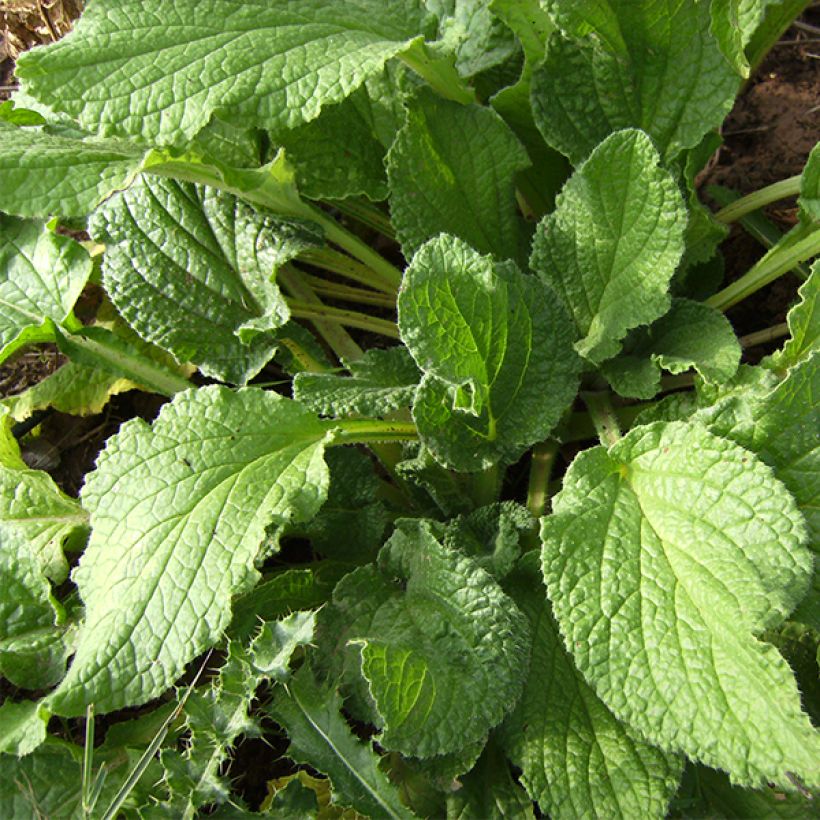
(381, 381)
(665, 556)
(350, 526)
(320, 737)
(15, 115)
(179, 510)
(339, 154)
(488, 791)
(690, 335)
(234, 145)
(733, 24)
(273, 647)
(22, 730)
(451, 170)
(804, 325)
(41, 276)
(44, 172)
(191, 270)
(589, 86)
(577, 759)
(612, 244)
(36, 658)
(496, 350)
(809, 199)
(441, 648)
(146, 69)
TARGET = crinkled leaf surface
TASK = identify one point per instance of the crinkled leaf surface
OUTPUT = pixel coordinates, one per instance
(670, 79)
(496, 349)
(577, 759)
(191, 269)
(320, 737)
(804, 324)
(41, 276)
(442, 649)
(22, 730)
(179, 511)
(451, 170)
(158, 71)
(612, 244)
(690, 335)
(733, 24)
(44, 173)
(381, 381)
(665, 557)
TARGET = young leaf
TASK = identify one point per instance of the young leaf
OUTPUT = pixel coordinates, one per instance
(451, 170)
(665, 557)
(22, 729)
(441, 648)
(809, 199)
(320, 737)
(179, 511)
(44, 173)
(577, 759)
(690, 335)
(190, 268)
(612, 244)
(804, 325)
(41, 276)
(381, 381)
(496, 349)
(588, 87)
(733, 24)
(269, 64)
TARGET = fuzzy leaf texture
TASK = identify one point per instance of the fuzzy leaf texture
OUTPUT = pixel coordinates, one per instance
(41, 276)
(320, 737)
(179, 511)
(44, 173)
(652, 65)
(665, 557)
(612, 244)
(147, 69)
(441, 648)
(496, 350)
(191, 269)
(577, 759)
(451, 170)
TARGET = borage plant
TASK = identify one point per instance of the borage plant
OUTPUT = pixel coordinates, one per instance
(629, 635)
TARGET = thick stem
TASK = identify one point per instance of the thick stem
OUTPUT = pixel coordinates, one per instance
(348, 318)
(778, 261)
(603, 416)
(759, 199)
(485, 486)
(369, 431)
(541, 464)
(581, 428)
(769, 334)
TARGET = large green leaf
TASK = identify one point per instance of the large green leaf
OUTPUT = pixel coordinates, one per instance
(577, 759)
(429, 639)
(665, 557)
(612, 244)
(451, 170)
(690, 335)
(179, 510)
(44, 173)
(41, 276)
(158, 71)
(191, 269)
(651, 65)
(320, 738)
(496, 349)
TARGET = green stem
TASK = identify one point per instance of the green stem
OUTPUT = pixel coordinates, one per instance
(776, 262)
(340, 263)
(603, 416)
(581, 428)
(439, 73)
(346, 293)
(366, 213)
(542, 461)
(368, 431)
(88, 761)
(348, 318)
(485, 486)
(759, 199)
(769, 334)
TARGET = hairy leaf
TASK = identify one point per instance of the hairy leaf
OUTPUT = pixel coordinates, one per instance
(666, 555)
(451, 170)
(156, 71)
(496, 350)
(178, 512)
(612, 244)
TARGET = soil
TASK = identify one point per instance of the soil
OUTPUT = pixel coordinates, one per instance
(767, 137)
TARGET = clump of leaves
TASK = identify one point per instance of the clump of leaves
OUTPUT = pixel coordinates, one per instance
(381, 258)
